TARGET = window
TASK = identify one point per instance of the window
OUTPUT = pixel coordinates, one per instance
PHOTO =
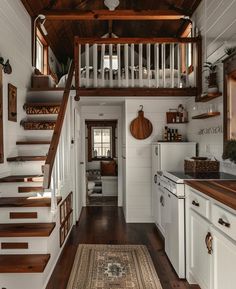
(41, 53)
(114, 61)
(101, 139)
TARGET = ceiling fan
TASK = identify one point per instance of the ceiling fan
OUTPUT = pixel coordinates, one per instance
(111, 4)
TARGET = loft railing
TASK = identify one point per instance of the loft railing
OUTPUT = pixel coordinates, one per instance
(138, 62)
(57, 166)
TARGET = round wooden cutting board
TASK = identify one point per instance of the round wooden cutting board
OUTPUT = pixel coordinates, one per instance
(141, 127)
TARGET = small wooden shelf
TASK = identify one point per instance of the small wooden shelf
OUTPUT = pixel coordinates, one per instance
(206, 115)
(210, 96)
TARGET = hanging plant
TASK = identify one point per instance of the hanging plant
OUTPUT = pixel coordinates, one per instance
(230, 151)
(6, 66)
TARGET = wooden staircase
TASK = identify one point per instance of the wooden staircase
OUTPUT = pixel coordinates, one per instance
(22, 218)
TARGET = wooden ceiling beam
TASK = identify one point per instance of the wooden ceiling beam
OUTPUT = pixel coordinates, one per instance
(73, 15)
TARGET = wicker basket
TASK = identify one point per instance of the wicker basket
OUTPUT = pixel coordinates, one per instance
(201, 166)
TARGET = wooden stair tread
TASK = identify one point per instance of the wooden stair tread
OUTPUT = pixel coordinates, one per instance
(38, 124)
(17, 202)
(26, 158)
(33, 142)
(23, 263)
(22, 179)
(30, 189)
(41, 108)
(26, 230)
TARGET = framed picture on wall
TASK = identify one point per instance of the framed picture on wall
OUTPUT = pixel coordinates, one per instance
(12, 103)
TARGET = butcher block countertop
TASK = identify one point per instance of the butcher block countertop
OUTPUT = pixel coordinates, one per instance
(222, 191)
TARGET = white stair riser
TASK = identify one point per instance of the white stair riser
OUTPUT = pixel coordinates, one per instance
(36, 245)
(11, 189)
(44, 215)
(33, 150)
(27, 168)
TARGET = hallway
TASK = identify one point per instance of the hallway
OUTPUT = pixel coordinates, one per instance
(106, 225)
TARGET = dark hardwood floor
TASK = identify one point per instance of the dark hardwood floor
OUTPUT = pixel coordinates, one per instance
(106, 225)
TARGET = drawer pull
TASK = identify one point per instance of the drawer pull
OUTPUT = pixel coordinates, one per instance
(196, 204)
(208, 241)
(223, 223)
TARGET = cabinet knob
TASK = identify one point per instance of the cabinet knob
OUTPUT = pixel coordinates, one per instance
(155, 179)
(208, 241)
(223, 223)
(196, 204)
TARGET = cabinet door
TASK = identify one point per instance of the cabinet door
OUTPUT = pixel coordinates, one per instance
(162, 203)
(224, 261)
(200, 259)
(154, 196)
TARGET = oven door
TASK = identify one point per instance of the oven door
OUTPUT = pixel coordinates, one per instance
(175, 232)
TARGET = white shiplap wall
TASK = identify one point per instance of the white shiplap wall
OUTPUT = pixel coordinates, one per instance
(216, 22)
(137, 197)
(15, 45)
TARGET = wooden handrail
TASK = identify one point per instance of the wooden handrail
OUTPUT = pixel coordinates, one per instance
(168, 40)
(47, 170)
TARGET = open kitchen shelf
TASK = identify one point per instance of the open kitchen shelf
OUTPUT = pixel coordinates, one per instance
(206, 115)
(210, 96)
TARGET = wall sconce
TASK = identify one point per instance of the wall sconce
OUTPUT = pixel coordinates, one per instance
(42, 19)
(6, 66)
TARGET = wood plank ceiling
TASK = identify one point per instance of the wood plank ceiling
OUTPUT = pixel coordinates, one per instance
(61, 33)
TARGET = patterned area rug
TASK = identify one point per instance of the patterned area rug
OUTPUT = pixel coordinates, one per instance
(113, 267)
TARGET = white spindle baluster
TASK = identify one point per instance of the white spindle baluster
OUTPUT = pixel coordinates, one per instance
(164, 65)
(119, 65)
(102, 64)
(79, 72)
(132, 65)
(157, 73)
(126, 65)
(95, 64)
(179, 62)
(172, 64)
(187, 63)
(148, 47)
(195, 63)
(141, 65)
(111, 68)
(87, 63)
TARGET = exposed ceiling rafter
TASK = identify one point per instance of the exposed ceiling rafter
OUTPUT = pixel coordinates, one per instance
(122, 15)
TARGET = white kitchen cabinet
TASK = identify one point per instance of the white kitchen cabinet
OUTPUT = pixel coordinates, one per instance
(199, 257)
(224, 258)
(174, 232)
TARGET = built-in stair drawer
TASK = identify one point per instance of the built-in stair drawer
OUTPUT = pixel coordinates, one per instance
(224, 220)
(199, 203)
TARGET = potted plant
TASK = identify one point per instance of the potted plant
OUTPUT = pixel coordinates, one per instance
(212, 77)
(230, 151)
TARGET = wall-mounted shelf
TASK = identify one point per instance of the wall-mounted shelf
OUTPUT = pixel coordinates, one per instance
(206, 115)
(210, 96)
(172, 116)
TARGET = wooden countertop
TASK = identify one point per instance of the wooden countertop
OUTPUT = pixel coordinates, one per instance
(222, 191)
